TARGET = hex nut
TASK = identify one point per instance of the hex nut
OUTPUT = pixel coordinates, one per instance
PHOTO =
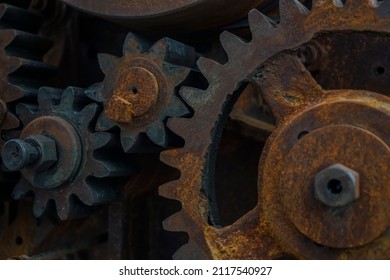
(48, 152)
(337, 185)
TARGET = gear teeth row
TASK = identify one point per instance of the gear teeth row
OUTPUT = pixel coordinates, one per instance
(297, 26)
(21, 54)
(169, 62)
(94, 182)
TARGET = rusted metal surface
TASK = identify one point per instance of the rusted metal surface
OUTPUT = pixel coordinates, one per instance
(138, 92)
(289, 90)
(19, 62)
(135, 94)
(172, 15)
(66, 117)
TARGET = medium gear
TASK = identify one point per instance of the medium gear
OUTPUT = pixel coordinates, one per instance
(264, 231)
(21, 52)
(61, 158)
(138, 91)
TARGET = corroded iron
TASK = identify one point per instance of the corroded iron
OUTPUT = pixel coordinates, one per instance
(139, 90)
(173, 15)
(66, 117)
(279, 225)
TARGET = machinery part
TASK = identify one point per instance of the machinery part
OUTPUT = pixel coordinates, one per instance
(39, 151)
(75, 168)
(138, 92)
(336, 185)
(21, 52)
(172, 15)
(307, 120)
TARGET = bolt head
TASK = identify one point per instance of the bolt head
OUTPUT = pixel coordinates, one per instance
(337, 185)
(15, 154)
(48, 155)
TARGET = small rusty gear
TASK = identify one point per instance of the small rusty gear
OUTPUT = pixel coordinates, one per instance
(21, 54)
(278, 226)
(61, 158)
(138, 92)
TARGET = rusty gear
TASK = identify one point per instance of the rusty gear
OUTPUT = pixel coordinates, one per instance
(172, 15)
(138, 91)
(77, 167)
(21, 52)
(304, 116)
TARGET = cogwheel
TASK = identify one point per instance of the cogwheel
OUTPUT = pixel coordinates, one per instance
(138, 91)
(21, 52)
(61, 158)
(264, 231)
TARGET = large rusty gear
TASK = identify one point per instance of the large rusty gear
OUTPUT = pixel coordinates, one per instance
(60, 156)
(172, 15)
(21, 56)
(271, 230)
(139, 90)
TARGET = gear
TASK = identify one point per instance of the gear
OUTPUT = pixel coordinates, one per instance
(21, 52)
(138, 91)
(278, 226)
(61, 158)
(177, 16)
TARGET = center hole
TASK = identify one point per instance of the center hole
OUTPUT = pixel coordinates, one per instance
(134, 90)
(334, 186)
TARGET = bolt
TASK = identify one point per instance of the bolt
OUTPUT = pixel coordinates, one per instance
(36, 152)
(336, 185)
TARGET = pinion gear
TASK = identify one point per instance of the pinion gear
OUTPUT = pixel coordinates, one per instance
(77, 168)
(138, 91)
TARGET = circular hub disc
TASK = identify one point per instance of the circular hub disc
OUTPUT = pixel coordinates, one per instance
(68, 148)
(356, 223)
(348, 128)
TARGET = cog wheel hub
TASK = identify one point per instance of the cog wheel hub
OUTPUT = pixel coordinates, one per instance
(342, 129)
(69, 152)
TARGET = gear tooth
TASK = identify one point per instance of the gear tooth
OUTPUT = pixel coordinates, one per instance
(11, 92)
(107, 62)
(175, 222)
(129, 141)
(103, 123)
(133, 45)
(100, 140)
(177, 108)
(231, 43)
(10, 122)
(95, 92)
(7, 37)
(290, 9)
(39, 205)
(21, 189)
(156, 132)
(168, 190)
(63, 209)
(25, 112)
(89, 112)
(170, 157)
(97, 194)
(47, 97)
(194, 97)
(101, 170)
(177, 73)
(260, 24)
(180, 127)
(209, 68)
(161, 47)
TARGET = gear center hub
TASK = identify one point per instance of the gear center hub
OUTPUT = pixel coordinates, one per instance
(325, 176)
(68, 149)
